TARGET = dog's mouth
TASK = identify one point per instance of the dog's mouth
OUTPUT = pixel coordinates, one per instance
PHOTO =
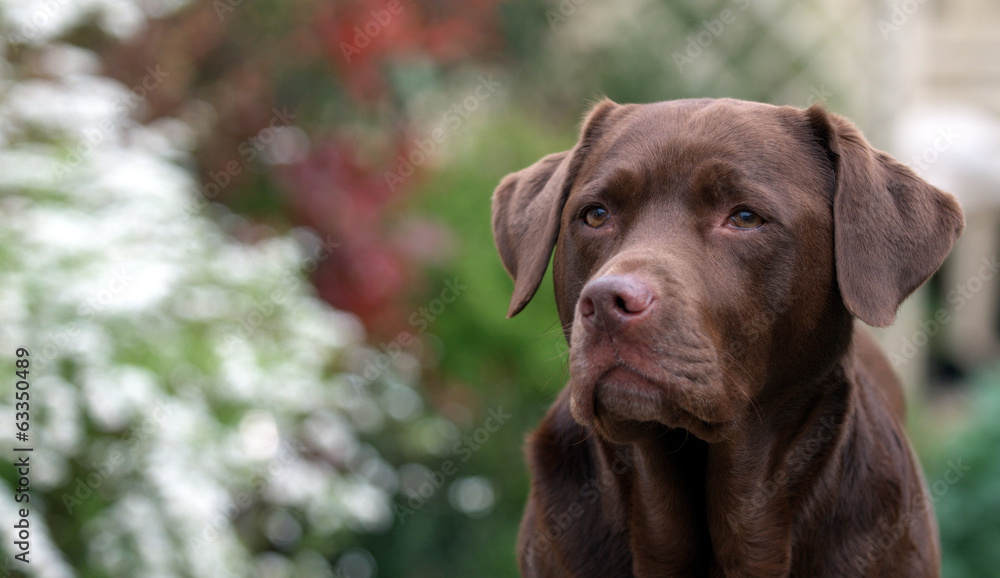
(623, 398)
(625, 392)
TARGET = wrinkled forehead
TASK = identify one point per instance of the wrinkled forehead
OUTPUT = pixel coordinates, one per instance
(679, 144)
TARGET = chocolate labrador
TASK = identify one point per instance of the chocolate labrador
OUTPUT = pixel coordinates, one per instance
(725, 414)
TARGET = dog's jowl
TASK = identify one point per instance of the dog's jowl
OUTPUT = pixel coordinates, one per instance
(726, 414)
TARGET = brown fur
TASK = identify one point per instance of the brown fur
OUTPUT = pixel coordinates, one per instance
(724, 415)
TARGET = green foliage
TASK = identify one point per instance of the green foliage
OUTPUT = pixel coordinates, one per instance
(514, 364)
(461, 197)
(964, 476)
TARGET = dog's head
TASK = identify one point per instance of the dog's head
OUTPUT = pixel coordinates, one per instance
(710, 254)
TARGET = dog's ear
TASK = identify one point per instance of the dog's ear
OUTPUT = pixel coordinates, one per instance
(527, 207)
(892, 229)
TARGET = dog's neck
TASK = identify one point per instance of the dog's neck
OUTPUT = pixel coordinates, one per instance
(736, 509)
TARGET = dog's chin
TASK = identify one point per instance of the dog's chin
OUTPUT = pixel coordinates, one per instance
(623, 406)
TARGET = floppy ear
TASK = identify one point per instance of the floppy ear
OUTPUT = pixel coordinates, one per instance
(892, 229)
(527, 207)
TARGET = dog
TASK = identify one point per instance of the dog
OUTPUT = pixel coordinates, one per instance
(725, 413)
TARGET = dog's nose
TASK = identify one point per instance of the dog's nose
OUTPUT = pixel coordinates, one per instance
(613, 301)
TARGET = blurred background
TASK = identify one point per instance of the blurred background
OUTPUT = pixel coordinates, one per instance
(247, 248)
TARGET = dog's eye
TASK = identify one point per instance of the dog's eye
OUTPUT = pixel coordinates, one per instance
(595, 217)
(745, 220)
